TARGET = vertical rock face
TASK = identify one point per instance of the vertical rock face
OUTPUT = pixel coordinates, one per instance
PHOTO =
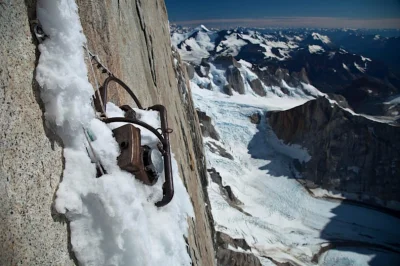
(257, 87)
(234, 78)
(31, 158)
(132, 39)
(349, 153)
(207, 128)
(201, 238)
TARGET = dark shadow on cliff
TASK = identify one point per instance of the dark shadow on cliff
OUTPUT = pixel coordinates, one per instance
(353, 227)
(259, 148)
(51, 136)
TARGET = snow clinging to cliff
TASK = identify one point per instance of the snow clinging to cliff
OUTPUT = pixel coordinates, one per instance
(113, 219)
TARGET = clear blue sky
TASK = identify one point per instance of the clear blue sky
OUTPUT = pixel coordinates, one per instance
(195, 10)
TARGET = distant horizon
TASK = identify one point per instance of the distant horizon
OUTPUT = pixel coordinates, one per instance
(360, 14)
(298, 22)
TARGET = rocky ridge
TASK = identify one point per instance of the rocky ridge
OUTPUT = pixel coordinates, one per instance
(286, 62)
(350, 153)
(228, 257)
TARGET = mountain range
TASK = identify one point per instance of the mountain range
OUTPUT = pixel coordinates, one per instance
(362, 68)
(301, 133)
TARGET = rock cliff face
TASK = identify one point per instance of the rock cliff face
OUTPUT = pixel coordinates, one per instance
(234, 78)
(228, 257)
(31, 158)
(368, 96)
(349, 153)
(132, 39)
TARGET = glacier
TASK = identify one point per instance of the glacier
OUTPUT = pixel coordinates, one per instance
(280, 218)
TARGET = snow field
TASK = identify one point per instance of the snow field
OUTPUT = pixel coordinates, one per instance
(286, 222)
(280, 218)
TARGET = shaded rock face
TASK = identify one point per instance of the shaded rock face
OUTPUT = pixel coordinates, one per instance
(132, 39)
(252, 53)
(273, 76)
(224, 240)
(349, 153)
(255, 118)
(339, 99)
(201, 238)
(330, 74)
(225, 61)
(228, 257)
(228, 90)
(207, 128)
(383, 49)
(235, 79)
(281, 73)
(267, 76)
(257, 87)
(226, 190)
(367, 96)
(203, 69)
(189, 70)
(215, 148)
(302, 76)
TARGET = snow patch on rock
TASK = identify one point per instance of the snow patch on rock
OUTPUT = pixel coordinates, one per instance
(113, 219)
(323, 38)
(315, 49)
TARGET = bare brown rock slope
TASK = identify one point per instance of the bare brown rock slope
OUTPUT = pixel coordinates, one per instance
(132, 39)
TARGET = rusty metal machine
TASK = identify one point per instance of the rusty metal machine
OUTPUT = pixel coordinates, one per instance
(145, 163)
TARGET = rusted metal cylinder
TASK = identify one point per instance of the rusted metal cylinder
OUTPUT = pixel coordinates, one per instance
(168, 186)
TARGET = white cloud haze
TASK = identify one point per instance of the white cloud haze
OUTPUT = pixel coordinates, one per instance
(299, 22)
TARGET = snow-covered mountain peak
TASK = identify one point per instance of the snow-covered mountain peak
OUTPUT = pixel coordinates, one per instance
(315, 49)
(295, 56)
(325, 39)
(202, 27)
